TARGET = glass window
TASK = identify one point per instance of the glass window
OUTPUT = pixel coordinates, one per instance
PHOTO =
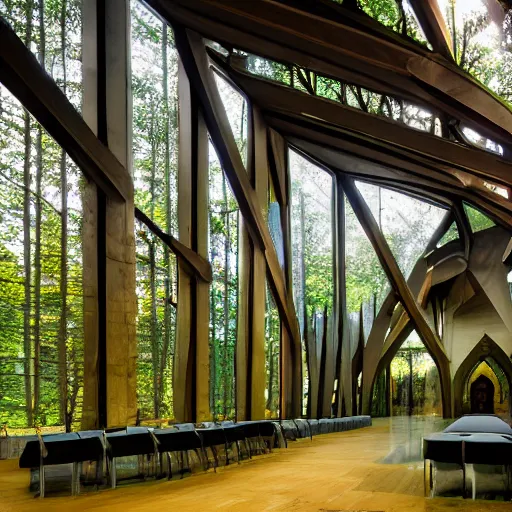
(365, 279)
(272, 357)
(397, 15)
(449, 236)
(156, 288)
(477, 220)
(480, 31)
(41, 292)
(43, 27)
(224, 218)
(155, 165)
(312, 251)
(415, 384)
(236, 110)
(155, 118)
(407, 223)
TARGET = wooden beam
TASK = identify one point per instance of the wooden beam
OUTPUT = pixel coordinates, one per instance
(195, 264)
(399, 284)
(283, 33)
(499, 209)
(432, 22)
(22, 74)
(195, 60)
(448, 156)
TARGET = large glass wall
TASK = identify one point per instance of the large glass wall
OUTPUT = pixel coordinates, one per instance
(224, 218)
(407, 223)
(312, 251)
(52, 30)
(41, 292)
(155, 164)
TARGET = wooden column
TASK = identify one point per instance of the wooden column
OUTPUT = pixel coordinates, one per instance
(121, 302)
(109, 244)
(258, 281)
(191, 357)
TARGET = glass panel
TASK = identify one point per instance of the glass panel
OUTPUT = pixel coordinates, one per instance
(407, 223)
(223, 254)
(312, 237)
(272, 357)
(274, 222)
(364, 276)
(155, 118)
(480, 31)
(268, 69)
(236, 110)
(42, 32)
(397, 15)
(482, 142)
(41, 292)
(312, 249)
(415, 384)
(450, 235)
(477, 220)
(156, 288)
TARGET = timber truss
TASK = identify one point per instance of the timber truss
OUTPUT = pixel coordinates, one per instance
(315, 39)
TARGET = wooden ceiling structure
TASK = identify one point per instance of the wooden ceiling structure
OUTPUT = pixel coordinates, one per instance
(320, 36)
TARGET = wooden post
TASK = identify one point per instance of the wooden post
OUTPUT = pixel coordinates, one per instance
(191, 357)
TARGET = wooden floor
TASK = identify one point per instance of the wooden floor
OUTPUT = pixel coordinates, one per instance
(333, 473)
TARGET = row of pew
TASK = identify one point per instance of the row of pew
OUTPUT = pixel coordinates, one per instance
(99, 451)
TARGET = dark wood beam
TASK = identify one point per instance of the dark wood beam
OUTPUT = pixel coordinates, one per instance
(195, 61)
(399, 284)
(283, 33)
(449, 157)
(195, 264)
(22, 74)
(398, 163)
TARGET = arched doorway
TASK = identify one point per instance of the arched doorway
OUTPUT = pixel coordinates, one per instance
(490, 368)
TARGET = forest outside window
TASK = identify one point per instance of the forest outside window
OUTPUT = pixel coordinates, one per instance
(224, 222)
(41, 271)
(155, 166)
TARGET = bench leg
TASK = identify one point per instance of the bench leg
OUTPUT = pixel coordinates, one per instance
(41, 481)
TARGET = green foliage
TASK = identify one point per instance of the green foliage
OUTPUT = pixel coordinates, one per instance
(155, 164)
(396, 15)
(482, 43)
(41, 300)
(450, 235)
(477, 220)
(312, 238)
(272, 356)
(224, 217)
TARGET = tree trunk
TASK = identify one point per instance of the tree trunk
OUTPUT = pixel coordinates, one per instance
(37, 252)
(227, 248)
(154, 336)
(63, 384)
(168, 216)
(26, 243)
(152, 268)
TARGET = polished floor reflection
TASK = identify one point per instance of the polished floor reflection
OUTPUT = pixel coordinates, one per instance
(339, 472)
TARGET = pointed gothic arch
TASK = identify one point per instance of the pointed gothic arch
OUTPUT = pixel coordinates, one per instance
(485, 348)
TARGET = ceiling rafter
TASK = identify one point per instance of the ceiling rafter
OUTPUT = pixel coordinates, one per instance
(278, 31)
